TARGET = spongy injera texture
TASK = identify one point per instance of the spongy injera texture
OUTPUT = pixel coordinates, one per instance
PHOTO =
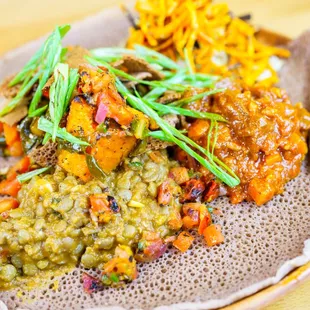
(258, 240)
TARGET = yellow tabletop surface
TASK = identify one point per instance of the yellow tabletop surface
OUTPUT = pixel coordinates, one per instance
(21, 21)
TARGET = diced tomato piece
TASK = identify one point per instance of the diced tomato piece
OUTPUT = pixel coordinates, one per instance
(16, 149)
(99, 202)
(193, 189)
(7, 204)
(154, 250)
(205, 219)
(212, 191)
(10, 187)
(21, 166)
(11, 134)
(103, 206)
(164, 196)
(213, 235)
(90, 284)
(183, 241)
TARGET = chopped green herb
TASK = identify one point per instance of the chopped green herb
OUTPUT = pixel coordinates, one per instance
(103, 128)
(112, 54)
(114, 278)
(29, 175)
(135, 164)
(141, 245)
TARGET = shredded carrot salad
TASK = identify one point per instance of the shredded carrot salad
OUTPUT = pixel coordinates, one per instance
(208, 36)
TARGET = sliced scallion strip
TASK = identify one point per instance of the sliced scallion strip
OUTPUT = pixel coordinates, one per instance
(47, 126)
(29, 175)
(181, 102)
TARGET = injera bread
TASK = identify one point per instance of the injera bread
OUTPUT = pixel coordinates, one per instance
(259, 241)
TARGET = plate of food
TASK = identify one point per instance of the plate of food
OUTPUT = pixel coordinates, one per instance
(153, 158)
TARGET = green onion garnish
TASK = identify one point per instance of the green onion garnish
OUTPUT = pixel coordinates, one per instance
(111, 54)
(163, 84)
(168, 132)
(171, 134)
(152, 56)
(29, 175)
(38, 70)
(166, 109)
(65, 81)
(181, 102)
(47, 126)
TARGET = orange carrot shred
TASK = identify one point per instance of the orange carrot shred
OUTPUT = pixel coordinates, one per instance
(215, 42)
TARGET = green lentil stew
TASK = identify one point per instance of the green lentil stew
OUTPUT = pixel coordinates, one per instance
(52, 226)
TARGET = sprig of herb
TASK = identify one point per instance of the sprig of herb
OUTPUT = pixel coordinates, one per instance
(37, 70)
(47, 126)
(29, 175)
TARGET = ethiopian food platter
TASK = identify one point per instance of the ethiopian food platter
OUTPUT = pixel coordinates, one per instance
(152, 158)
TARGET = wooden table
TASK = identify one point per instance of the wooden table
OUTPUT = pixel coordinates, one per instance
(21, 21)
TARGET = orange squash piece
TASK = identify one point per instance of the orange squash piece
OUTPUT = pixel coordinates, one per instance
(80, 121)
(74, 163)
(213, 235)
(110, 150)
(260, 191)
(183, 241)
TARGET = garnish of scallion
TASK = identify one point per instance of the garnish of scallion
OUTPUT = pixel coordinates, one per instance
(110, 54)
(65, 81)
(61, 133)
(38, 70)
(170, 133)
(162, 84)
(166, 109)
(29, 175)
